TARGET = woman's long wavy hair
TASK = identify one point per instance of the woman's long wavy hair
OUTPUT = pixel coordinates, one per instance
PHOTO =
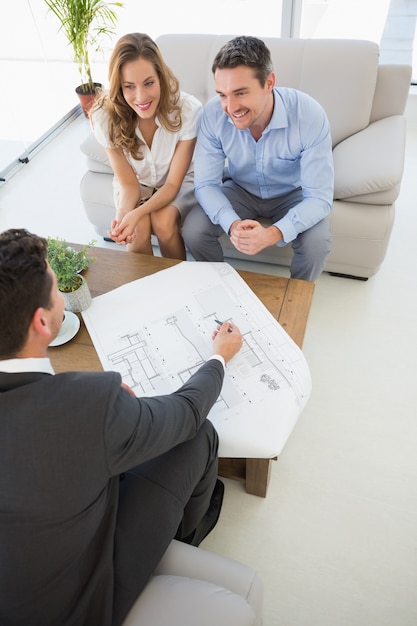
(122, 118)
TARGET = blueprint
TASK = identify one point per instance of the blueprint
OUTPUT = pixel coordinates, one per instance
(156, 331)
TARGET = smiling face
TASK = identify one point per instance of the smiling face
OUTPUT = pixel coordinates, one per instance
(244, 99)
(141, 87)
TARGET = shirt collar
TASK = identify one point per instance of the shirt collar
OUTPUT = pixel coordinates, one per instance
(14, 366)
(279, 117)
(139, 132)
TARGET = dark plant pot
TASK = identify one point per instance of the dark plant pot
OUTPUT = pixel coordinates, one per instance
(87, 97)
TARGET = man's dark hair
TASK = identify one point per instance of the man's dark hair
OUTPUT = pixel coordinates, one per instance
(25, 285)
(244, 50)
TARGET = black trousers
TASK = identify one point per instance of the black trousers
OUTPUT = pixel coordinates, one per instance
(161, 499)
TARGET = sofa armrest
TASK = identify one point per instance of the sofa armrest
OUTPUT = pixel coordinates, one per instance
(371, 162)
(184, 560)
(391, 91)
(193, 586)
(180, 601)
(97, 160)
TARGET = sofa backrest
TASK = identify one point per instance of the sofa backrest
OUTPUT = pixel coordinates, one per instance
(341, 74)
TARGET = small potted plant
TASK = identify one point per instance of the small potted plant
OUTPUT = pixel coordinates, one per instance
(68, 264)
(84, 22)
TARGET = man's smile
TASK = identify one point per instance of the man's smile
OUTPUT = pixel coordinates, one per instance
(240, 114)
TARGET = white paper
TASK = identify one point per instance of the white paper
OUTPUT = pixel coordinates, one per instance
(156, 331)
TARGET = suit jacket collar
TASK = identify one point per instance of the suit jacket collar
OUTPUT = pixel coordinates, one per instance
(14, 380)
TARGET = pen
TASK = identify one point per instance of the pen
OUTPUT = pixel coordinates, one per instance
(229, 330)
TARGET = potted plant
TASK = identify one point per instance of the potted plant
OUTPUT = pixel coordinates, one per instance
(68, 264)
(84, 22)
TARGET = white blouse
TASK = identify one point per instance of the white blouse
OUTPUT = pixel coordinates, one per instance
(153, 169)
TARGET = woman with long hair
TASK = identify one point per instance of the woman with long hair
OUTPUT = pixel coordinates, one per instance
(148, 128)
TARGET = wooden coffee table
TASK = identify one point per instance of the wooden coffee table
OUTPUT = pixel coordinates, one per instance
(288, 300)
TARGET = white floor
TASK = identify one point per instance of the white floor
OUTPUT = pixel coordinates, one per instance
(335, 541)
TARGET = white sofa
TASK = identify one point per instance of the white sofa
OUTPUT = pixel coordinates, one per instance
(365, 103)
(193, 587)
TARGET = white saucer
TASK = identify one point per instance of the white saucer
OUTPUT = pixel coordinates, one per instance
(69, 329)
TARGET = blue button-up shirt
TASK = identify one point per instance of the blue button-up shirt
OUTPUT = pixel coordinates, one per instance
(295, 150)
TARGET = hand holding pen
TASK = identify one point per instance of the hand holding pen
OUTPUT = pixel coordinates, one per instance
(227, 340)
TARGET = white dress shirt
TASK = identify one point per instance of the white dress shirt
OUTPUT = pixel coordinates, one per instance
(15, 366)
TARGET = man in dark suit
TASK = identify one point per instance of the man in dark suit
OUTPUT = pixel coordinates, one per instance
(94, 482)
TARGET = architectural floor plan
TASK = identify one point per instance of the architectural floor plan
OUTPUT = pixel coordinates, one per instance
(157, 331)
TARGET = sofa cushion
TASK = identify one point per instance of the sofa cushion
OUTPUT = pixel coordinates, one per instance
(180, 601)
(368, 166)
(340, 74)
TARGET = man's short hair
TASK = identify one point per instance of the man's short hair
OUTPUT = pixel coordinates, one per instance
(248, 51)
(25, 285)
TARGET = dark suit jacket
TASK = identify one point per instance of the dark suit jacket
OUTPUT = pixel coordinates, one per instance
(64, 440)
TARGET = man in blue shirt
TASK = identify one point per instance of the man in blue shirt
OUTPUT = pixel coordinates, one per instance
(277, 146)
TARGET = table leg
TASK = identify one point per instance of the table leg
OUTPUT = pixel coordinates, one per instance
(258, 472)
(254, 473)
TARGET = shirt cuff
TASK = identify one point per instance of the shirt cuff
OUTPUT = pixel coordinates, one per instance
(218, 357)
(287, 229)
(228, 216)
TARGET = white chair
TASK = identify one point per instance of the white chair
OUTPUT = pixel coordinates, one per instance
(192, 586)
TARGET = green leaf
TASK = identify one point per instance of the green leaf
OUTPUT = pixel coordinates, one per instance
(68, 263)
(84, 23)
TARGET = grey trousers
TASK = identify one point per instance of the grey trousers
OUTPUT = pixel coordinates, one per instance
(310, 248)
(161, 499)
